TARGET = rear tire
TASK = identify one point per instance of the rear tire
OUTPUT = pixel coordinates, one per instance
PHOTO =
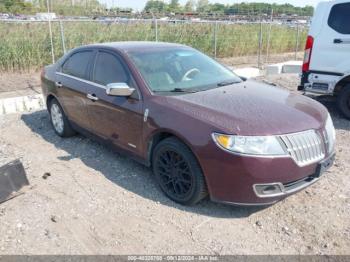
(178, 173)
(343, 101)
(59, 121)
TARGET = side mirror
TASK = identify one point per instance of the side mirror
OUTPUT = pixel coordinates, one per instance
(119, 89)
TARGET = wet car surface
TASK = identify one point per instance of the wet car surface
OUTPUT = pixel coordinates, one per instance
(202, 129)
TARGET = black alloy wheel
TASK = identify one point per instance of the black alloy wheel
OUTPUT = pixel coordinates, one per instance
(178, 173)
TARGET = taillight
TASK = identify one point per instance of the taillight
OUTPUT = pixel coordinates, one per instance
(307, 54)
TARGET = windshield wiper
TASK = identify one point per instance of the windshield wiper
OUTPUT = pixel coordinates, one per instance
(178, 90)
(182, 90)
(227, 83)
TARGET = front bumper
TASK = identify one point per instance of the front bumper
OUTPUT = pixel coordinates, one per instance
(246, 180)
(279, 189)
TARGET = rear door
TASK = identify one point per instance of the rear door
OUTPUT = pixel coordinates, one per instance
(115, 118)
(331, 50)
(72, 86)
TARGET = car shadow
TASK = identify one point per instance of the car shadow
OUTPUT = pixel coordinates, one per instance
(122, 170)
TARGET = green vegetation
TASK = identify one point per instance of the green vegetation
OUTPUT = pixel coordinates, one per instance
(62, 7)
(205, 6)
(11, 6)
(94, 7)
(27, 45)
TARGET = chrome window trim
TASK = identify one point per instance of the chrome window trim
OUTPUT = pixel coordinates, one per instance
(82, 80)
(95, 84)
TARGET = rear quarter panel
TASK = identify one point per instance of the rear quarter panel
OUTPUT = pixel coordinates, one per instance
(48, 78)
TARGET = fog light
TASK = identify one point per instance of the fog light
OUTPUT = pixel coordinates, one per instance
(268, 190)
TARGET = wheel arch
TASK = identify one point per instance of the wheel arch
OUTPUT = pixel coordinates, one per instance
(49, 98)
(159, 136)
(156, 137)
(341, 84)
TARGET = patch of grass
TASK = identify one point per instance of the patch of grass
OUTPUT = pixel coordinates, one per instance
(25, 46)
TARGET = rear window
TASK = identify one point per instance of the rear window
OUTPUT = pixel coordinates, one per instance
(77, 64)
(339, 18)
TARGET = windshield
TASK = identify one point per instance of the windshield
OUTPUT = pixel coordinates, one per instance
(181, 70)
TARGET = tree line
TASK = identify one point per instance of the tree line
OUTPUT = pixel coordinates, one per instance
(62, 7)
(204, 6)
(92, 7)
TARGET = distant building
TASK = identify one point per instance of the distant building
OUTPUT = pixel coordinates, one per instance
(45, 16)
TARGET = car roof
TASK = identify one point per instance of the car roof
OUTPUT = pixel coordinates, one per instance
(136, 45)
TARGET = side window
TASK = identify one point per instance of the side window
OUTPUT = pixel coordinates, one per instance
(339, 18)
(108, 69)
(77, 64)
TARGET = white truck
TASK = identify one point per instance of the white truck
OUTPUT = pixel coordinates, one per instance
(326, 66)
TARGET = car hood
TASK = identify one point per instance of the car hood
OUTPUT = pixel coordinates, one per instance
(251, 108)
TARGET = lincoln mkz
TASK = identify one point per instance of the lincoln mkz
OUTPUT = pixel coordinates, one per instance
(202, 129)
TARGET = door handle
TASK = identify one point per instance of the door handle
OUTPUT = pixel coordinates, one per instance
(58, 84)
(92, 97)
(341, 41)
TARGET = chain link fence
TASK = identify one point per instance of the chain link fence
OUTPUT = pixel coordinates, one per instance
(29, 45)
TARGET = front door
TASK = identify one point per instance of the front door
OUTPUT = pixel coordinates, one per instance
(117, 119)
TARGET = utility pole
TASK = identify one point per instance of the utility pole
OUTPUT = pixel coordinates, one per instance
(269, 37)
(260, 43)
(50, 31)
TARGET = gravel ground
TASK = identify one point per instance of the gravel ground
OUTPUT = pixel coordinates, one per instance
(96, 201)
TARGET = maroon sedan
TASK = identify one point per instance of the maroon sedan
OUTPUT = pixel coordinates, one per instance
(201, 128)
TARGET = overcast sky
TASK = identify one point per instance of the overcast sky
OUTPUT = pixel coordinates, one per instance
(139, 4)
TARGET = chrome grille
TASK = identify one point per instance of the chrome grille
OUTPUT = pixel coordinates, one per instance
(304, 147)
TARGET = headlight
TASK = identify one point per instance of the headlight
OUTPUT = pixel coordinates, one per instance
(250, 145)
(330, 134)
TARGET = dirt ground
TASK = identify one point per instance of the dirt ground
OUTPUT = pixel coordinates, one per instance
(96, 201)
(252, 61)
(19, 84)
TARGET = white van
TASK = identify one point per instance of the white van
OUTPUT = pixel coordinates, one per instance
(326, 66)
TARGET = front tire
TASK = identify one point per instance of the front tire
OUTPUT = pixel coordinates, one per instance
(178, 173)
(343, 101)
(59, 120)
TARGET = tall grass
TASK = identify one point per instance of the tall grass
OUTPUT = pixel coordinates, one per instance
(25, 46)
